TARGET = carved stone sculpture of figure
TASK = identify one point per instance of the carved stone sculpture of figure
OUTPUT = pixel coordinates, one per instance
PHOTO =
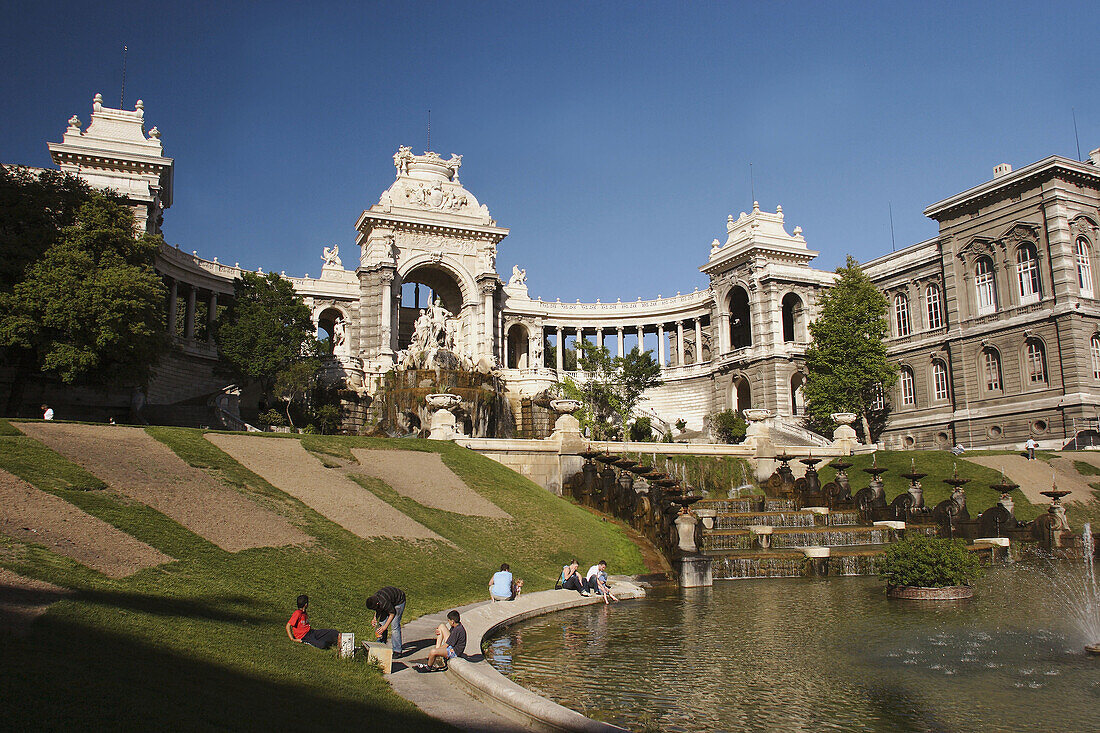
(519, 277)
(450, 337)
(438, 316)
(338, 336)
(401, 159)
(332, 256)
(422, 338)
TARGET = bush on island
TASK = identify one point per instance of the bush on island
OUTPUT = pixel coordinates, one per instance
(928, 562)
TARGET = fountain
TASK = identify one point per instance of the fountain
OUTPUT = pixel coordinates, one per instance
(910, 505)
(871, 501)
(1089, 612)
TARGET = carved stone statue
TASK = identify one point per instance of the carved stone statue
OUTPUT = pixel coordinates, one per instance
(338, 336)
(332, 256)
(422, 338)
(401, 160)
(519, 277)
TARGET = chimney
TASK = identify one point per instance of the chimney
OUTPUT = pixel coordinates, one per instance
(1094, 157)
(1002, 170)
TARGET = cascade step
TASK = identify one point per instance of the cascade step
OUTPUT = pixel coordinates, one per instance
(746, 504)
(799, 518)
(793, 564)
(790, 537)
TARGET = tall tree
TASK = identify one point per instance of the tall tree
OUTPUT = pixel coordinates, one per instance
(847, 357)
(91, 308)
(266, 329)
(35, 206)
(613, 387)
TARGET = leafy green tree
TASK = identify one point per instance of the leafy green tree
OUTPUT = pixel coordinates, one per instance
(612, 388)
(91, 308)
(847, 357)
(727, 426)
(295, 383)
(266, 329)
(35, 206)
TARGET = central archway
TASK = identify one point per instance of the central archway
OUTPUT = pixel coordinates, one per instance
(421, 285)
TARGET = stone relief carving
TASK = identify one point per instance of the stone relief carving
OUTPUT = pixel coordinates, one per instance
(332, 256)
(519, 277)
(434, 341)
(435, 196)
(436, 242)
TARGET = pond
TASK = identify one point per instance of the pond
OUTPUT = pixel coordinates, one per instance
(813, 655)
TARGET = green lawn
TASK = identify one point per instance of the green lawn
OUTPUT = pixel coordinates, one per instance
(200, 643)
(938, 465)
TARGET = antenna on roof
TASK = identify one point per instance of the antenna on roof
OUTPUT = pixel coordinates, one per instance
(891, 205)
(122, 94)
(1074, 113)
(429, 129)
(752, 183)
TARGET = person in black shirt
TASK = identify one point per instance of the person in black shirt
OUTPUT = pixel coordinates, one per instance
(450, 642)
(388, 604)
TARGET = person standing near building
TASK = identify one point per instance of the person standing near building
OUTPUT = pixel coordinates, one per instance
(388, 604)
(1031, 445)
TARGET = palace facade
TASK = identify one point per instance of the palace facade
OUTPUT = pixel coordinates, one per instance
(996, 323)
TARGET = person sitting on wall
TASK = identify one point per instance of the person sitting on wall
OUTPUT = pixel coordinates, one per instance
(503, 587)
(570, 579)
(596, 581)
(450, 642)
(47, 412)
(298, 628)
(958, 450)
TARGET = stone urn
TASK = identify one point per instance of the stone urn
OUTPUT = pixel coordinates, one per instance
(917, 593)
(566, 423)
(756, 414)
(685, 533)
(443, 420)
(844, 435)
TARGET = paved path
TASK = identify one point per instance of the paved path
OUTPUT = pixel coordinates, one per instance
(445, 695)
(1036, 476)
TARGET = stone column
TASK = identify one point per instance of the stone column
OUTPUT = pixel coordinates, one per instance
(679, 343)
(172, 295)
(619, 332)
(189, 322)
(698, 340)
(599, 336)
(723, 333)
(211, 316)
(559, 352)
(580, 337)
(641, 339)
(661, 344)
(385, 278)
(487, 308)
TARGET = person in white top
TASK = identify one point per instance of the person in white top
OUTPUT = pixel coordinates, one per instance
(47, 412)
(1031, 445)
(596, 581)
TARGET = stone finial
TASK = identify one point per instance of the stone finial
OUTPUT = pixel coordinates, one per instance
(716, 245)
(730, 217)
(154, 133)
(756, 207)
(97, 102)
(779, 211)
(798, 231)
(74, 123)
(139, 105)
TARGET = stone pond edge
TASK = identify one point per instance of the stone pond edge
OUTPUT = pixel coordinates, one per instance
(501, 694)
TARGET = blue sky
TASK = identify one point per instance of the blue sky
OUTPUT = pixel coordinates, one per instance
(612, 138)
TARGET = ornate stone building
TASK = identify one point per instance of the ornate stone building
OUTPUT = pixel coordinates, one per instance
(995, 321)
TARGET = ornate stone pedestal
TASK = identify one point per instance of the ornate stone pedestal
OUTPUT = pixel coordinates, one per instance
(695, 571)
(443, 420)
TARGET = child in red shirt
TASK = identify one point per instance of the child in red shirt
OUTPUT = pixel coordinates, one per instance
(298, 629)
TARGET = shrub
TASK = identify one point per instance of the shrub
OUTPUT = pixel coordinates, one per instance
(929, 562)
(641, 430)
(272, 417)
(727, 426)
(681, 424)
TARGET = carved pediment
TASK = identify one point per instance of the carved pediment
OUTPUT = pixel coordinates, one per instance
(1019, 233)
(1083, 226)
(978, 247)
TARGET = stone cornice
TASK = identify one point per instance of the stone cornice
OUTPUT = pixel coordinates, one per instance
(407, 222)
(945, 209)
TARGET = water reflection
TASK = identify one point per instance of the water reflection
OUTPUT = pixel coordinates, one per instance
(812, 655)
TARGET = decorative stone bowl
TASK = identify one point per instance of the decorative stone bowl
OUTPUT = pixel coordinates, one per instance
(947, 593)
(1093, 649)
(565, 407)
(443, 401)
(757, 414)
(843, 418)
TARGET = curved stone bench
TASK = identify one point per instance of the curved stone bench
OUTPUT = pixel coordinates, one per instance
(501, 694)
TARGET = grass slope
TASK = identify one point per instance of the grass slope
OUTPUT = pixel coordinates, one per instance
(200, 643)
(938, 465)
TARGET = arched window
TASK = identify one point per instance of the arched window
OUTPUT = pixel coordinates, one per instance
(1027, 273)
(901, 314)
(932, 300)
(1035, 362)
(1094, 347)
(908, 393)
(986, 289)
(939, 381)
(991, 370)
(793, 315)
(1084, 267)
(878, 398)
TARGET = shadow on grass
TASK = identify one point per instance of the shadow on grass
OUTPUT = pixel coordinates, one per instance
(68, 677)
(211, 608)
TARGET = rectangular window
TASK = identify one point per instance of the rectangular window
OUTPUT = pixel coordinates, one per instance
(1036, 366)
(908, 396)
(992, 366)
(939, 381)
(935, 317)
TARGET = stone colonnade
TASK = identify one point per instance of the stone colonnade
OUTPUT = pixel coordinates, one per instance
(178, 289)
